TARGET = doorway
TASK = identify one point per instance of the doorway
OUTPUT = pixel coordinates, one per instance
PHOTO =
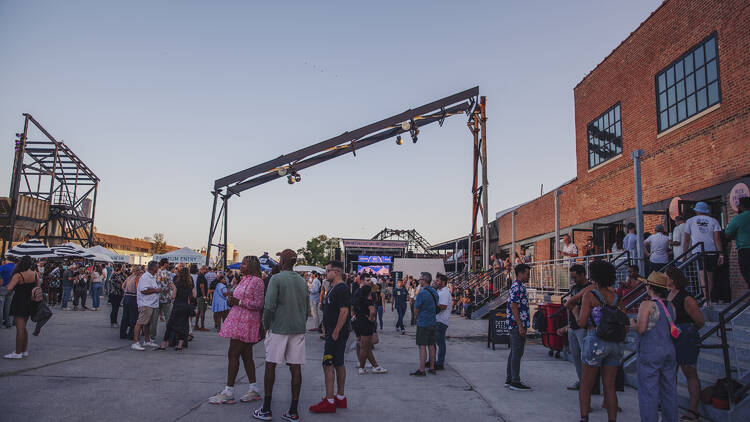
(606, 234)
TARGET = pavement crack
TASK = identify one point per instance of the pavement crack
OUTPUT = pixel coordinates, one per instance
(481, 396)
(21, 371)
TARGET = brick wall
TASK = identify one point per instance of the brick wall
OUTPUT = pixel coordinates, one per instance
(707, 151)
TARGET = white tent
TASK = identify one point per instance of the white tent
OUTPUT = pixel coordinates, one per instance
(114, 256)
(308, 269)
(414, 266)
(184, 255)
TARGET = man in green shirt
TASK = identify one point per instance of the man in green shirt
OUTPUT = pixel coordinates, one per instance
(739, 230)
(287, 304)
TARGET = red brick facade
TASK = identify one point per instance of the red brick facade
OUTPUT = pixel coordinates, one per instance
(707, 150)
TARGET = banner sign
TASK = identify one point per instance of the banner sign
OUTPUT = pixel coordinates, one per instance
(382, 244)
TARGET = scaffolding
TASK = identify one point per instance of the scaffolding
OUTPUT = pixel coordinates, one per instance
(415, 243)
(52, 193)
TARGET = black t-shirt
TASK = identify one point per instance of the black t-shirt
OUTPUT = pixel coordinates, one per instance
(574, 291)
(201, 281)
(338, 297)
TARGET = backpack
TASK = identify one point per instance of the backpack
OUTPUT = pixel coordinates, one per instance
(539, 322)
(613, 325)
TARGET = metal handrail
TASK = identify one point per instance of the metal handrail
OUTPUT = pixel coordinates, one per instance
(736, 308)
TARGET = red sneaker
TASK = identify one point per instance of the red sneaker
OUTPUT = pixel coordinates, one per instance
(340, 404)
(323, 407)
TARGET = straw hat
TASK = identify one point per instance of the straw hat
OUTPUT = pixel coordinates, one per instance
(657, 279)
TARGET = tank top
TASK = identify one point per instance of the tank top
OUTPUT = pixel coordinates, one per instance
(678, 301)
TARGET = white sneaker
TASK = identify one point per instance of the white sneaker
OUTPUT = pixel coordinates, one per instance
(379, 370)
(136, 346)
(362, 371)
(13, 355)
(25, 354)
(151, 344)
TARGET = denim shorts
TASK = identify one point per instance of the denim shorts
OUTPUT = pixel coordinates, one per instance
(597, 352)
(686, 345)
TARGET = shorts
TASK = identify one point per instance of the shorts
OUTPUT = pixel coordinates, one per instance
(686, 345)
(144, 314)
(425, 336)
(708, 262)
(597, 352)
(202, 306)
(285, 348)
(363, 328)
(334, 350)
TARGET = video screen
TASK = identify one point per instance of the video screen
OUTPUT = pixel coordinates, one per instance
(374, 259)
(373, 269)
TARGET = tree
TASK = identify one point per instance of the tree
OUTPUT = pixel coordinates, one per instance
(160, 245)
(319, 250)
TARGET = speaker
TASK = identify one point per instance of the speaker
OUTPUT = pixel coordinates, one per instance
(338, 254)
(410, 254)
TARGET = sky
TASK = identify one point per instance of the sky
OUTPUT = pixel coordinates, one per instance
(160, 99)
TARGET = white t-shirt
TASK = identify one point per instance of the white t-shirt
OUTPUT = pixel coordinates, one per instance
(630, 243)
(658, 244)
(444, 298)
(570, 249)
(701, 228)
(147, 281)
(678, 235)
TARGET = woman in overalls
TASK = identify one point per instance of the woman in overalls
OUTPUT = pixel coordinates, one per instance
(657, 381)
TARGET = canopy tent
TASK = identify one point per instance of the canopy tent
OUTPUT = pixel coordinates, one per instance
(183, 256)
(114, 256)
(33, 248)
(236, 266)
(267, 261)
(309, 269)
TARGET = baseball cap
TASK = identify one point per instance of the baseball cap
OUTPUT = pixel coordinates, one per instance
(659, 227)
(287, 255)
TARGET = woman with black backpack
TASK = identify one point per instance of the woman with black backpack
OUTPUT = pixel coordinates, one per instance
(606, 327)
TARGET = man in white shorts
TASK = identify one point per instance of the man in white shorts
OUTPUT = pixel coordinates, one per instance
(287, 305)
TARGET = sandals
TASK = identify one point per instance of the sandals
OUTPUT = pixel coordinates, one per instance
(691, 416)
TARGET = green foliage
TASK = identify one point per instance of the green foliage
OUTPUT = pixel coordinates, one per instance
(318, 250)
(160, 245)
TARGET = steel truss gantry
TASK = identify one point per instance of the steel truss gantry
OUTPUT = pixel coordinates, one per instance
(46, 169)
(465, 102)
(414, 241)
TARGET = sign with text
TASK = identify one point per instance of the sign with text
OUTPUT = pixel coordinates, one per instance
(497, 329)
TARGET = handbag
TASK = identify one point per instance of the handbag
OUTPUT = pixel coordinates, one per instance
(375, 338)
(674, 330)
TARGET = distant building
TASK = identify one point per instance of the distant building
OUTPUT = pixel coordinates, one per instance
(139, 250)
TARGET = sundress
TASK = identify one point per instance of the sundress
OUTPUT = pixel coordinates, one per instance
(243, 321)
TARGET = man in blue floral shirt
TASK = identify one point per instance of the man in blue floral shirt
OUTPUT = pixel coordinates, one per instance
(518, 323)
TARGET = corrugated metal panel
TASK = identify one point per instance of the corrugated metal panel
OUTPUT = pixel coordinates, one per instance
(32, 208)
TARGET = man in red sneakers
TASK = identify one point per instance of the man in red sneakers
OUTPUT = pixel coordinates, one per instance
(336, 322)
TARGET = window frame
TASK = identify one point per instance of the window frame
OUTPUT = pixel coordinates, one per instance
(701, 44)
(617, 105)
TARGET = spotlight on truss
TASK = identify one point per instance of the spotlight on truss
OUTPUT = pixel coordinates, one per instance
(399, 141)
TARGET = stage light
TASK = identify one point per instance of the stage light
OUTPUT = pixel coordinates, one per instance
(399, 141)
(290, 179)
(297, 177)
(282, 171)
(405, 126)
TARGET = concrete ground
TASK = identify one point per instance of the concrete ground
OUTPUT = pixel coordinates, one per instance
(79, 370)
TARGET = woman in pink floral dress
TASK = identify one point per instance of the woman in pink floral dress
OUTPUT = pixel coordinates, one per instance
(242, 328)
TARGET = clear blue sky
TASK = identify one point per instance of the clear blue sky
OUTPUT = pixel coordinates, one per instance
(162, 98)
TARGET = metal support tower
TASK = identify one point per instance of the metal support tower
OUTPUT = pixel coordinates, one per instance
(56, 183)
(289, 165)
(478, 126)
(414, 241)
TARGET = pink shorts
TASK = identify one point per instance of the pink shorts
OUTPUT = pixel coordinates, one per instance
(289, 348)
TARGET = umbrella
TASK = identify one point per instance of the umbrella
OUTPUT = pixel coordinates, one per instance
(309, 268)
(33, 248)
(68, 251)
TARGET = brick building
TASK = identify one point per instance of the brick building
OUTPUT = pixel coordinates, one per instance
(678, 88)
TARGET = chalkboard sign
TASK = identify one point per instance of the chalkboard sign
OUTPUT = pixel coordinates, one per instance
(497, 329)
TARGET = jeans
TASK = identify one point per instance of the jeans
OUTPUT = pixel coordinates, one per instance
(413, 315)
(575, 345)
(129, 316)
(657, 387)
(440, 329)
(401, 310)
(380, 315)
(6, 297)
(67, 290)
(315, 312)
(115, 301)
(517, 344)
(743, 259)
(96, 294)
(79, 295)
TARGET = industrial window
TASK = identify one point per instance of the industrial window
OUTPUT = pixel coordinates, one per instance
(605, 136)
(689, 85)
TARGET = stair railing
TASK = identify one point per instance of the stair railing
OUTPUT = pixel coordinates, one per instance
(727, 316)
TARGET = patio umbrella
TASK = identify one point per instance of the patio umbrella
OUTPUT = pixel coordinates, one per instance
(67, 251)
(33, 248)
